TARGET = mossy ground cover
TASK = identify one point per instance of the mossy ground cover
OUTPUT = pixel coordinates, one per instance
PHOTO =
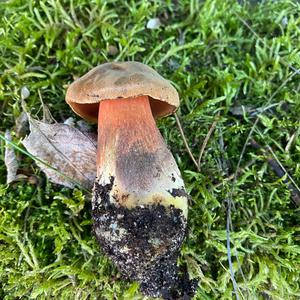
(235, 66)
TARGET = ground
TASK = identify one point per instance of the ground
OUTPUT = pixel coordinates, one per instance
(235, 66)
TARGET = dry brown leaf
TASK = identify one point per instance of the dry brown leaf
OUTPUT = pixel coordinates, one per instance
(21, 125)
(10, 160)
(71, 152)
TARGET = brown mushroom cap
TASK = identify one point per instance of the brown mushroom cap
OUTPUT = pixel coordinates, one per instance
(121, 80)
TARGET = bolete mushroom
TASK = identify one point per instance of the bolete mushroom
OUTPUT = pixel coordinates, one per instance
(139, 203)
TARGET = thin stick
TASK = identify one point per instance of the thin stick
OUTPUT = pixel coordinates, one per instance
(292, 139)
(228, 216)
(186, 143)
(47, 116)
(279, 170)
(228, 213)
(204, 144)
(228, 223)
(239, 171)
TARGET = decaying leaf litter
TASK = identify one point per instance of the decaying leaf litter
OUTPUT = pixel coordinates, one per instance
(66, 149)
(11, 161)
(244, 168)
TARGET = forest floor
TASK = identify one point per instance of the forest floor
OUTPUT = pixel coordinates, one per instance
(236, 68)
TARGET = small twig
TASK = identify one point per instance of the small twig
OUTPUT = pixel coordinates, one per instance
(186, 143)
(228, 223)
(229, 226)
(47, 116)
(292, 139)
(230, 194)
(204, 144)
(230, 202)
(279, 170)
(239, 171)
(223, 161)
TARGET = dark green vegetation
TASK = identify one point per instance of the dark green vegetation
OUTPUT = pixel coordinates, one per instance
(220, 55)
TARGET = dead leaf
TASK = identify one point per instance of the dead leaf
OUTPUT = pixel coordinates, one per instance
(21, 126)
(10, 160)
(69, 154)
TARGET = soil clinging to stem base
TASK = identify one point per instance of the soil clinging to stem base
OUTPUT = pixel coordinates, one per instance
(144, 243)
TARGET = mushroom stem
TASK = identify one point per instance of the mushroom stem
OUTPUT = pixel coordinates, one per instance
(132, 150)
(139, 203)
(125, 125)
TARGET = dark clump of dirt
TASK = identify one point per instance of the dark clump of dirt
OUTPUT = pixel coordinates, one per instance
(173, 178)
(178, 192)
(144, 243)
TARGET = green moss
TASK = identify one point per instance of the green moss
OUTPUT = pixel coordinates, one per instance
(220, 55)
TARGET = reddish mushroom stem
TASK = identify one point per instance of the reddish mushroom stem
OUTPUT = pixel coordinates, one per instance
(132, 150)
(123, 124)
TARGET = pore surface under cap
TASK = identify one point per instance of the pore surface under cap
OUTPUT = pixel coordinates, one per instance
(121, 80)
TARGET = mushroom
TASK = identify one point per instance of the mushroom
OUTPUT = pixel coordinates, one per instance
(139, 204)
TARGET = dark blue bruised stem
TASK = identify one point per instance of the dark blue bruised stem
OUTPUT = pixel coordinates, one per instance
(144, 243)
